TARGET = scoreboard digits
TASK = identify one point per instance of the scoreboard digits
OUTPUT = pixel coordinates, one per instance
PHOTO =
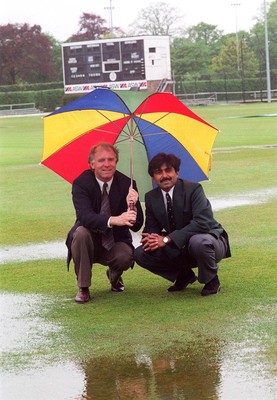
(109, 61)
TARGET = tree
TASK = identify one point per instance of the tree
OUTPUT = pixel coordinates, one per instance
(157, 19)
(25, 55)
(57, 56)
(91, 28)
(188, 58)
(235, 61)
(257, 40)
(192, 54)
(206, 33)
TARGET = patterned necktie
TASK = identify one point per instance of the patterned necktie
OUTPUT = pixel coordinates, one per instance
(107, 239)
(170, 213)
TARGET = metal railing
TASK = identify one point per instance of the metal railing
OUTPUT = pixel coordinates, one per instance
(18, 109)
(225, 97)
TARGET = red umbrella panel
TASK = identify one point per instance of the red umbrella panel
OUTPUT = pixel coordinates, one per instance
(162, 123)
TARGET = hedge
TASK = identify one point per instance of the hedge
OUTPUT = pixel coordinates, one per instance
(48, 96)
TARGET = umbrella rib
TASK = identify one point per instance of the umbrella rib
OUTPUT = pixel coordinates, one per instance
(153, 123)
(113, 122)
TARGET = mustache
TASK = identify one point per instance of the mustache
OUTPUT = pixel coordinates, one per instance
(165, 179)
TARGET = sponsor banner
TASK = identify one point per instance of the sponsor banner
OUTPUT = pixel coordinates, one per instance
(127, 85)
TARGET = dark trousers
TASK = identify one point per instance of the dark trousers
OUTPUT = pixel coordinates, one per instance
(86, 250)
(203, 251)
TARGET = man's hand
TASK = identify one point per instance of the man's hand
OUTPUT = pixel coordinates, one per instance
(152, 241)
(127, 218)
(132, 197)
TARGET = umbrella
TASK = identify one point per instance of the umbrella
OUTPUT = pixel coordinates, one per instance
(161, 123)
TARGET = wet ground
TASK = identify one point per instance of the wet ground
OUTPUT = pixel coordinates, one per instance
(54, 250)
(201, 371)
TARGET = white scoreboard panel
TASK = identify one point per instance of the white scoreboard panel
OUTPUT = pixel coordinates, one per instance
(118, 63)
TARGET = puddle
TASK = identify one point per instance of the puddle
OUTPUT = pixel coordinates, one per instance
(58, 250)
(200, 370)
(58, 382)
(253, 116)
(32, 252)
(243, 199)
(22, 327)
(196, 373)
(23, 334)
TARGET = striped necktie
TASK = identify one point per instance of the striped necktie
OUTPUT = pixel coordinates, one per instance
(107, 239)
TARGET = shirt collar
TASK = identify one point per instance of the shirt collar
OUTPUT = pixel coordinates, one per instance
(170, 193)
(101, 183)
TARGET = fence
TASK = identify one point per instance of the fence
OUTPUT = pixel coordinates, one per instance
(18, 109)
(226, 97)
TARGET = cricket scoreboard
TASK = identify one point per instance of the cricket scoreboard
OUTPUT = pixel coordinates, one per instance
(117, 63)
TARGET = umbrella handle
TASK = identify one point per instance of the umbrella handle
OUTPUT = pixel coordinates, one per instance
(131, 205)
(132, 152)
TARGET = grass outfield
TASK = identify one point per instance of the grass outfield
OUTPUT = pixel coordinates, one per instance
(36, 206)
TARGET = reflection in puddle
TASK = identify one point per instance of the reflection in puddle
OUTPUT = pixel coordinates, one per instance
(205, 369)
(191, 375)
(197, 373)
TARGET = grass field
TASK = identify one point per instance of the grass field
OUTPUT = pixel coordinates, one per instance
(36, 206)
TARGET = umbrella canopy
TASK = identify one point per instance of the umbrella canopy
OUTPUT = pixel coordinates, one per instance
(162, 123)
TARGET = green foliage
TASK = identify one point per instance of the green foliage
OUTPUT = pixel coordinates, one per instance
(91, 27)
(23, 87)
(45, 100)
(233, 60)
(190, 85)
(25, 54)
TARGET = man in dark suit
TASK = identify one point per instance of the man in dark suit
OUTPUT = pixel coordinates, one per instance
(101, 232)
(180, 231)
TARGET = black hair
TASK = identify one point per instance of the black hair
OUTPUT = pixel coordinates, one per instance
(170, 160)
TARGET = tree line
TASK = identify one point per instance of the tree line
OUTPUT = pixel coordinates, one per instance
(199, 52)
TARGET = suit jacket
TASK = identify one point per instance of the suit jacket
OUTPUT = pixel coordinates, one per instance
(86, 196)
(192, 213)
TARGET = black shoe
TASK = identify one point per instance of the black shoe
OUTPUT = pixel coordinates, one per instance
(212, 287)
(182, 281)
(118, 286)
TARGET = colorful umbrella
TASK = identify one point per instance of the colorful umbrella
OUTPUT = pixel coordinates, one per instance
(162, 123)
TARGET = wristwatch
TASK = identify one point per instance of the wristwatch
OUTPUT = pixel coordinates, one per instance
(165, 239)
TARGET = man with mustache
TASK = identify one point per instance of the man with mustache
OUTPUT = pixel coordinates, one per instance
(180, 231)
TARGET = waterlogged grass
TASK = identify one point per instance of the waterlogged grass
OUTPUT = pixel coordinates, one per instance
(242, 171)
(146, 316)
(36, 203)
(242, 125)
(36, 206)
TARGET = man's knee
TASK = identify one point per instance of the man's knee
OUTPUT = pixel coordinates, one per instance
(81, 234)
(200, 244)
(124, 256)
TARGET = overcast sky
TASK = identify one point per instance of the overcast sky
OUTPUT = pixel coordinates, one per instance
(60, 17)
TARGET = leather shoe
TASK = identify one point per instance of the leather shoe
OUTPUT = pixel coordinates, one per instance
(83, 295)
(183, 280)
(212, 287)
(118, 286)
